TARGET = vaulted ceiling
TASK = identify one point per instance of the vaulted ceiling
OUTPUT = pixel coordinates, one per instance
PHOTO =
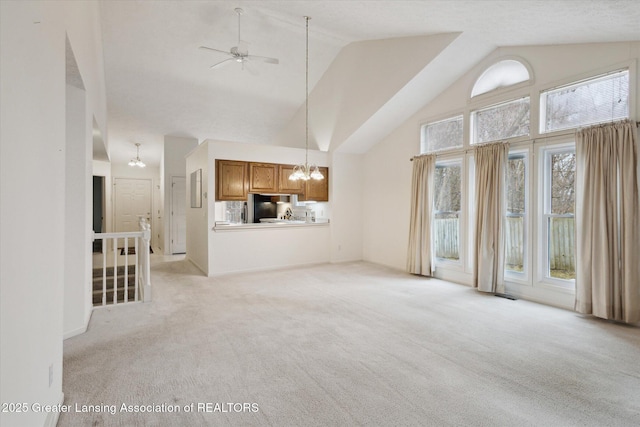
(372, 63)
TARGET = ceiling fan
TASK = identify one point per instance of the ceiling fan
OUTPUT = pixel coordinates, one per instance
(239, 53)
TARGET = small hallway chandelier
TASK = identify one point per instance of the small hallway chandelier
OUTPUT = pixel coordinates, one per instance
(305, 171)
(137, 161)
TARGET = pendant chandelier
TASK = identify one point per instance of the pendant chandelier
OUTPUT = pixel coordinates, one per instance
(305, 171)
(137, 161)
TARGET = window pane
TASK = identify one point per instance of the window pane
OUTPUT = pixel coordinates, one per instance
(442, 135)
(502, 121)
(598, 100)
(563, 170)
(447, 211)
(514, 224)
(562, 259)
(447, 188)
(516, 185)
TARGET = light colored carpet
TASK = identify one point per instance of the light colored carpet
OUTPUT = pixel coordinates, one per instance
(348, 344)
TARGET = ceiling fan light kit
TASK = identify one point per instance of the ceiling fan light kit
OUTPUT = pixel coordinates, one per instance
(305, 171)
(240, 52)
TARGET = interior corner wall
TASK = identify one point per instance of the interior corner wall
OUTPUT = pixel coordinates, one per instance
(199, 220)
(32, 204)
(173, 165)
(346, 186)
(78, 181)
(386, 198)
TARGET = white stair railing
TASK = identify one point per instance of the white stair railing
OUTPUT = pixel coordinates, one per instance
(142, 265)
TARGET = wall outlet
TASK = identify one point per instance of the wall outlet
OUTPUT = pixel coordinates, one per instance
(50, 375)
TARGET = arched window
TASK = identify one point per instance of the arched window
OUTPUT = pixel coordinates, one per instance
(506, 72)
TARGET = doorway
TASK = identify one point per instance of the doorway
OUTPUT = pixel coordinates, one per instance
(132, 200)
(178, 215)
(98, 210)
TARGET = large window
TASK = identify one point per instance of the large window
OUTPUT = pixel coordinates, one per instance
(516, 221)
(443, 135)
(502, 121)
(447, 207)
(600, 99)
(559, 210)
(539, 220)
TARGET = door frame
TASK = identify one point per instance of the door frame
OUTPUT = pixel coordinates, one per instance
(114, 194)
(170, 237)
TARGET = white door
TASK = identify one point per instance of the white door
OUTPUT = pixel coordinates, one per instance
(178, 215)
(132, 199)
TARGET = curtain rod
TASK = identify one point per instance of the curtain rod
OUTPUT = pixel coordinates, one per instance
(532, 141)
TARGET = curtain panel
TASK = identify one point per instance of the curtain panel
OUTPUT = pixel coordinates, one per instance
(488, 250)
(420, 253)
(608, 222)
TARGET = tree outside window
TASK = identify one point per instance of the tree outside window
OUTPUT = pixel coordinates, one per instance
(447, 203)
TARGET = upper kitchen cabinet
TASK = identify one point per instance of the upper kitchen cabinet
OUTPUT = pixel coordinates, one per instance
(317, 190)
(287, 186)
(263, 178)
(232, 180)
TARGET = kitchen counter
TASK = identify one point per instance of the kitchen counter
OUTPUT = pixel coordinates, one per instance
(225, 226)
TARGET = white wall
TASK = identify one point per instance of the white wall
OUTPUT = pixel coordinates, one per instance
(387, 169)
(32, 200)
(78, 214)
(173, 165)
(346, 187)
(200, 220)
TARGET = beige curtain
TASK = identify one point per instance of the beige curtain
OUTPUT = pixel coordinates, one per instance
(608, 222)
(488, 253)
(420, 254)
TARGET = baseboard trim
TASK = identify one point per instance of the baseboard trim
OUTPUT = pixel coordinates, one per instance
(192, 261)
(270, 268)
(75, 332)
(52, 417)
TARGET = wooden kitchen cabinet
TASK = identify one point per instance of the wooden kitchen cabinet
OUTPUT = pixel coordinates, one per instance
(285, 185)
(263, 178)
(232, 180)
(317, 190)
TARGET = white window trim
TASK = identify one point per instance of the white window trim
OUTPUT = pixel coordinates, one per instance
(458, 265)
(542, 110)
(542, 278)
(524, 277)
(625, 65)
(423, 136)
(472, 119)
(500, 91)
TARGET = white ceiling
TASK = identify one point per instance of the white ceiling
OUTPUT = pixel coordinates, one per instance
(159, 83)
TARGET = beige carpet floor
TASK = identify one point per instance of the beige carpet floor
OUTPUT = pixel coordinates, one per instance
(345, 345)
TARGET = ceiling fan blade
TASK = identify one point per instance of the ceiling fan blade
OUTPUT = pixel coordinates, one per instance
(221, 63)
(215, 50)
(247, 65)
(264, 59)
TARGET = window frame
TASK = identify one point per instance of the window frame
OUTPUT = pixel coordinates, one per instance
(462, 216)
(545, 214)
(423, 134)
(576, 82)
(473, 133)
(512, 275)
